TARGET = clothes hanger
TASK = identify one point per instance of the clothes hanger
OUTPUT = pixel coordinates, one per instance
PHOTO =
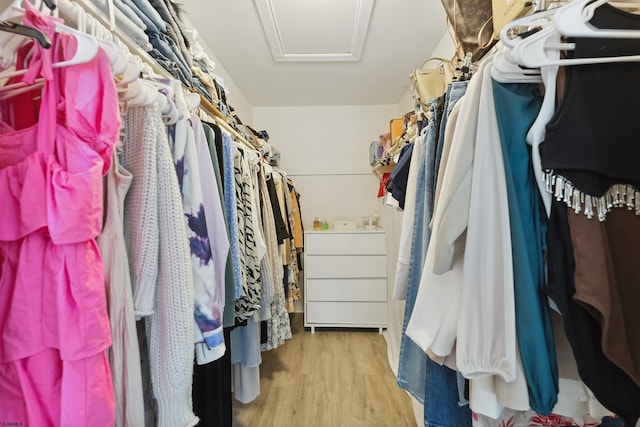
(532, 51)
(87, 49)
(568, 20)
(23, 30)
(91, 26)
(572, 20)
(6, 94)
(144, 95)
(510, 37)
(10, 42)
(504, 71)
(193, 100)
(537, 131)
(130, 74)
(171, 111)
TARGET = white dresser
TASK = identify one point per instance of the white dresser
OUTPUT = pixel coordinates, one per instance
(345, 279)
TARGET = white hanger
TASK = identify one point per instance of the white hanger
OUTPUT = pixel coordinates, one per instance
(505, 71)
(536, 19)
(537, 131)
(572, 20)
(87, 49)
(146, 95)
(150, 95)
(131, 72)
(168, 108)
(532, 51)
(89, 25)
(132, 92)
(193, 100)
(123, 61)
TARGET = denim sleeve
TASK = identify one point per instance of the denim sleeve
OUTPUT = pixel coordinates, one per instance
(165, 46)
(173, 28)
(136, 32)
(130, 14)
(147, 9)
(149, 24)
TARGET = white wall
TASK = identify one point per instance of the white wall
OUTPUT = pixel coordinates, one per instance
(325, 150)
(235, 97)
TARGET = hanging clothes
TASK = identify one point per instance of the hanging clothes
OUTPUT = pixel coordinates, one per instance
(208, 310)
(215, 143)
(216, 232)
(413, 360)
(297, 228)
(279, 325)
(611, 386)
(231, 211)
(124, 355)
(592, 179)
(245, 351)
(292, 268)
(170, 329)
(266, 270)
(250, 298)
(212, 390)
(49, 227)
(517, 106)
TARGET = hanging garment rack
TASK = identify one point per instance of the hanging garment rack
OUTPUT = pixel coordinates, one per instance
(67, 10)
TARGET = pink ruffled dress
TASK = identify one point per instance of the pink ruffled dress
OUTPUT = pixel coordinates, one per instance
(54, 327)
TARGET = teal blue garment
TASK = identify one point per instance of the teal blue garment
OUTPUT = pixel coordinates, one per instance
(517, 106)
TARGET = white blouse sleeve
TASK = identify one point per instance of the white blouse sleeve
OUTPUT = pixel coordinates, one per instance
(487, 328)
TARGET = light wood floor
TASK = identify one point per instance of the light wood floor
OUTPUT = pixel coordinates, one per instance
(335, 378)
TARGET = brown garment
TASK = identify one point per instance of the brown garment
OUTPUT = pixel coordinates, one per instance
(298, 233)
(607, 282)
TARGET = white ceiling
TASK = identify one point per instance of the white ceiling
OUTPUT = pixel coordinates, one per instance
(314, 57)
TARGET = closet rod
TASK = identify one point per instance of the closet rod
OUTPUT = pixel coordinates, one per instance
(68, 10)
(219, 118)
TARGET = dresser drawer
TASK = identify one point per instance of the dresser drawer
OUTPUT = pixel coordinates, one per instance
(345, 244)
(335, 266)
(347, 290)
(354, 313)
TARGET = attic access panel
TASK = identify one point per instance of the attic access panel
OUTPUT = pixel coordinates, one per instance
(315, 30)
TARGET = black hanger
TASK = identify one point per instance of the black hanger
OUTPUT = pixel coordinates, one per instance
(51, 4)
(23, 30)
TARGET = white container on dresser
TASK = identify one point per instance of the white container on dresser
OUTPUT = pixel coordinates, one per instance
(345, 279)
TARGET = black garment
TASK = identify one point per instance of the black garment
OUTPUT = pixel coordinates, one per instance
(397, 185)
(609, 384)
(281, 227)
(212, 389)
(592, 139)
(285, 280)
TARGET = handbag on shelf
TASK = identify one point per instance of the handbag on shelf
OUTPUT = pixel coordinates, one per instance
(396, 131)
(472, 24)
(430, 83)
(373, 152)
(505, 11)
